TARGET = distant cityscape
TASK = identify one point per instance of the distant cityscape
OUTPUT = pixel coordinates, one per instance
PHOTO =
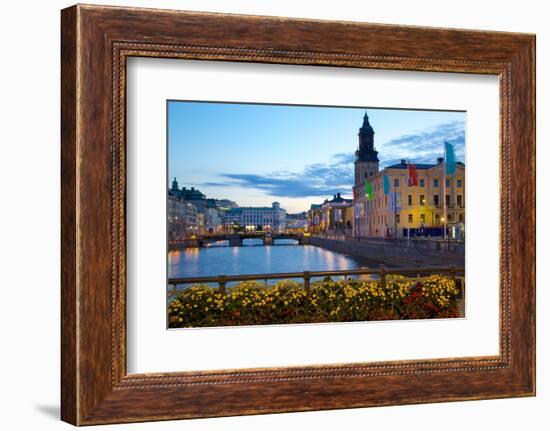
(400, 200)
(190, 213)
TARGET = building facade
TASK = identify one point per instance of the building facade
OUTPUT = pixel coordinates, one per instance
(192, 195)
(183, 219)
(297, 222)
(332, 217)
(270, 219)
(404, 210)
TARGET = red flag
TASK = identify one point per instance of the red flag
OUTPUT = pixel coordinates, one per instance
(413, 178)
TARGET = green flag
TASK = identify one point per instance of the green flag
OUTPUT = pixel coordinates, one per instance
(368, 190)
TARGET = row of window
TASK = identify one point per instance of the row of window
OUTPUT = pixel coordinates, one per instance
(410, 218)
(422, 183)
(422, 201)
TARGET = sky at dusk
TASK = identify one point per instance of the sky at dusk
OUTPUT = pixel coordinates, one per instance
(296, 155)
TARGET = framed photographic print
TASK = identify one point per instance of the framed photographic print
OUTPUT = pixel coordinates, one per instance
(324, 214)
(319, 229)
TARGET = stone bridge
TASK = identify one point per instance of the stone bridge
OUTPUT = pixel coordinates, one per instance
(236, 239)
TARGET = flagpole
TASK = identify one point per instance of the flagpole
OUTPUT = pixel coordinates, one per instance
(444, 191)
(394, 210)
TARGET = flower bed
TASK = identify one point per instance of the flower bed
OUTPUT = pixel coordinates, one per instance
(253, 303)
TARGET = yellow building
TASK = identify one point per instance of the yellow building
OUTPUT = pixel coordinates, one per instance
(332, 217)
(404, 210)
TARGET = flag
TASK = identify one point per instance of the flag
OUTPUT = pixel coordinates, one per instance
(413, 179)
(368, 190)
(395, 202)
(450, 159)
(386, 185)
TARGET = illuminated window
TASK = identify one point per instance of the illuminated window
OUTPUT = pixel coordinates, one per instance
(410, 218)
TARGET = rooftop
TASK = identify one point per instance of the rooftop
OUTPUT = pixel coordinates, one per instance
(403, 165)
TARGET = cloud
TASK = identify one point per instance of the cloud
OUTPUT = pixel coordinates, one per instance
(316, 180)
(424, 146)
(322, 180)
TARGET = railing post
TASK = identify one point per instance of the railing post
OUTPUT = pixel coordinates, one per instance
(383, 277)
(418, 269)
(307, 277)
(452, 273)
(172, 291)
(222, 279)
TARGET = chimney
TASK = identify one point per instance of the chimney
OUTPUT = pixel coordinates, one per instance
(403, 162)
(439, 160)
(338, 195)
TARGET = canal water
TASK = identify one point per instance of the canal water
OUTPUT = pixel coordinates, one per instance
(255, 258)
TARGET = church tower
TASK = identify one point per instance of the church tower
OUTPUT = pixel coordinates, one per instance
(175, 188)
(366, 157)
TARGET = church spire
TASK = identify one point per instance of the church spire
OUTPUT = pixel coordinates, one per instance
(366, 151)
(366, 127)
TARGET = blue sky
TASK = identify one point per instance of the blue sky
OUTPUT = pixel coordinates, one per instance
(296, 155)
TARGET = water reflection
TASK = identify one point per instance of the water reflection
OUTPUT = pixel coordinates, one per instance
(255, 258)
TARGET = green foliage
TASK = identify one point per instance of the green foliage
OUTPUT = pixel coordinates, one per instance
(253, 303)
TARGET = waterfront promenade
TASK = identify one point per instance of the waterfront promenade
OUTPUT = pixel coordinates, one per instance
(396, 252)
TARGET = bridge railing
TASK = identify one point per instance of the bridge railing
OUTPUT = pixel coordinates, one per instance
(455, 273)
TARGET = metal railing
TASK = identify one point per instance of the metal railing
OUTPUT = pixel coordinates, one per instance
(428, 243)
(382, 272)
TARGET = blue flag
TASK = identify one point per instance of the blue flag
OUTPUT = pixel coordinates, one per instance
(450, 159)
(386, 185)
(395, 201)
